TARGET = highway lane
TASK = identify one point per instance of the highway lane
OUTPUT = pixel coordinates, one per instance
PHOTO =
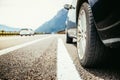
(9, 41)
(35, 61)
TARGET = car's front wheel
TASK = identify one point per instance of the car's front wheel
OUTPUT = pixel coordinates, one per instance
(89, 46)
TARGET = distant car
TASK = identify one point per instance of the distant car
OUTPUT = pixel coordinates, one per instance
(96, 25)
(26, 32)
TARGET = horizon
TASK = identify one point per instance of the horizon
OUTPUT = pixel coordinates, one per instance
(28, 14)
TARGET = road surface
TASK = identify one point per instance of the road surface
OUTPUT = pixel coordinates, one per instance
(45, 57)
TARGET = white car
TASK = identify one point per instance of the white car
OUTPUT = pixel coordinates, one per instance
(26, 31)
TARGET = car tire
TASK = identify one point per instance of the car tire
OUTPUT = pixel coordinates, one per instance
(89, 46)
(68, 39)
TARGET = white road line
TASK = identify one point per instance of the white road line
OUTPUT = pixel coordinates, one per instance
(4, 51)
(65, 68)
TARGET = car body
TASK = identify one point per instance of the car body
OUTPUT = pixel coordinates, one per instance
(26, 31)
(100, 14)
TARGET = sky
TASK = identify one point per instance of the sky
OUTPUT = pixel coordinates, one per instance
(29, 13)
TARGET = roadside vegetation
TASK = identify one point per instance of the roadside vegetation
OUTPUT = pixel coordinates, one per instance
(13, 33)
(8, 33)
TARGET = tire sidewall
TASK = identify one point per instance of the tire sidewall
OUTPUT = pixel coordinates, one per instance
(89, 23)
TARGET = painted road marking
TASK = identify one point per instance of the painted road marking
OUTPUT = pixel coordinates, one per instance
(65, 68)
(7, 50)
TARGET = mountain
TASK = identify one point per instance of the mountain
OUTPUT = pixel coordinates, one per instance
(57, 23)
(7, 28)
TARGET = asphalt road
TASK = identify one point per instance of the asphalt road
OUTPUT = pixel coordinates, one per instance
(10, 41)
(46, 57)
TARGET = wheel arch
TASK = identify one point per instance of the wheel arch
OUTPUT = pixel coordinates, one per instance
(91, 3)
(79, 3)
(102, 20)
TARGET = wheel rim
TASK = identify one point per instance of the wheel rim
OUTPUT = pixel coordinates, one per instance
(81, 34)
